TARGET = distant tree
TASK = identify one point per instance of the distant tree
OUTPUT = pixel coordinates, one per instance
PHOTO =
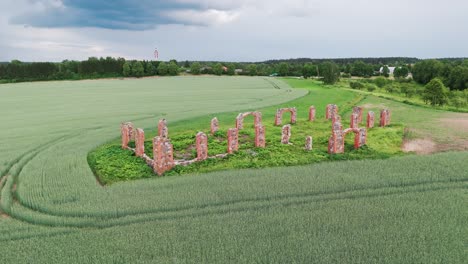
(385, 71)
(458, 78)
(150, 69)
(173, 68)
(308, 70)
(231, 69)
(127, 69)
(162, 68)
(283, 69)
(330, 73)
(186, 64)
(425, 71)
(252, 69)
(218, 69)
(195, 68)
(435, 92)
(359, 68)
(380, 82)
(401, 72)
(137, 69)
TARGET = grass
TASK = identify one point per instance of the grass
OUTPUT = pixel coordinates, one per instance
(398, 210)
(112, 164)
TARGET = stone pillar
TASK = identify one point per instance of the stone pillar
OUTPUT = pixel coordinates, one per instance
(332, 109)
(214, 125)
(163, 155)
(308, 144)
(286, 135)
(162, 129)
(358, 111)
(336, 118)
(360, 138)
(202, 146)
(240, 121)
(260, 136)
(293, 115)
(257, 118)
(370, 119)
(384, 117)
(232, 140)
(354, 120)
(336, 143)
(278, 117)
(312, 113)
(139, 142)
(125, 133)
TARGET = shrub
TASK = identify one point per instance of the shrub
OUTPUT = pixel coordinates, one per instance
(356, 85)
(371, 88)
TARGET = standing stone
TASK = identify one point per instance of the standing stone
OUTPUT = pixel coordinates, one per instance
(163, 155)
(286, 135)
(336, 143)
(214, 125)
(331, 111)
(293, 115)
(278, 117)
(370, 119)
(260, 136)
(358, 111)
(240, 121)
(354, 120)
(126, 133)
(360, 138)
(384, 117)
(312, 113)
(308, 144)
(202, 146)
(232, 140)
(163, 131)
(139, 142)
(257, 118)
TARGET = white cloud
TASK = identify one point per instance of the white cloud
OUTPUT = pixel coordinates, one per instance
(204, 17)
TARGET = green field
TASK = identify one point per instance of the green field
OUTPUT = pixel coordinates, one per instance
(399, 210)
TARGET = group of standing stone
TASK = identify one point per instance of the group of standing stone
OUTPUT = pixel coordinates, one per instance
(163, 153)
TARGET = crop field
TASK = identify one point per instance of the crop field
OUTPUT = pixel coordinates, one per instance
(403, 209)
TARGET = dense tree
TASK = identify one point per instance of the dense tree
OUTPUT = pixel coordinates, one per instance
(425, 71)
(127, 69)
(231, 69)
(380, 82)
(195, 68)
(252, 69)
(458, 78)
(401, 72)
(162, 68)
(218, 69)
(435, 92)
(173, 68)
(330, 73)
(283, 69)
(308, 70)
(137, 69)
(359, 68)
(385, 71)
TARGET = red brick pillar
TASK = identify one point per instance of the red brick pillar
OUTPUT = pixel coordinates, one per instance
(384, 117)
(139, 142)
(286, 134)
(370, 119)
(278, 117)
(163, 155)
(354, 120)
(336, 118)
(232, 140)
(260, 136)
(126, 133)
(360, 138)
(336, 140)
(312, 113)
(308, 144)
(358, 111)
(202, 146)
(293, 115)
(162, 129)
(240, 121)
(257, 118)
(214, 125)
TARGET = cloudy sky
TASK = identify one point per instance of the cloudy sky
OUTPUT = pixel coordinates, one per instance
(234, 30)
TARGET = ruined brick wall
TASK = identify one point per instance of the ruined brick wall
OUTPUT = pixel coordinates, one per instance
(139, 142)
(331, 111)
(358, 111)
(384, 117)
(370, 119)
(286, 134)
(163, 155)
(260, 136)
(163, 131)
(308, 143)
(202, 146)
(240, 119)
(126, 131)
(281, 111)
(214, 125)
(232, 140)
(312, 113)
(354, 120)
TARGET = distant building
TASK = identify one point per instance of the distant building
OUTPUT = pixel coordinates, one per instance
(391, 69)
(225, 69)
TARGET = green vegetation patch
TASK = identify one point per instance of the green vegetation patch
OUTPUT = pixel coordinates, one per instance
(111, 163)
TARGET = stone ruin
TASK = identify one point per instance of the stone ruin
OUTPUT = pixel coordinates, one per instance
(312, 113)
(331, 111)
(240, 119)
(370, 119)
(384, 117)
(163, 153)
(281, 111)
